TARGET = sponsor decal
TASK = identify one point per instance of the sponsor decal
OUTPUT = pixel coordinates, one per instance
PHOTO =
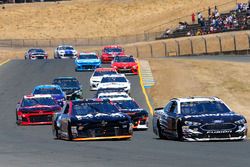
(208, 115)
(218, 131)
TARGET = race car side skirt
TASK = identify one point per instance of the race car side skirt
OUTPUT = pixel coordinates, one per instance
(103, 138)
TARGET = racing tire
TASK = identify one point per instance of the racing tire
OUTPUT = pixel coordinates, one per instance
(55, 132)
(70, 137)
(161, 136)
(18, 123)
(179, 132)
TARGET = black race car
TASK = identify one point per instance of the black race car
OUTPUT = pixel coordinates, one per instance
(199, 119)
(71, 86)
(138, 115)
(92, 119)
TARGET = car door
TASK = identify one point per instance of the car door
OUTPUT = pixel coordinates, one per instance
(63, 119)
(164, 117)
(171, 117)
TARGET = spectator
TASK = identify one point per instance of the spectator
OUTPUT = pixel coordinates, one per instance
(209, 11)
(199, 16)
(193, 18)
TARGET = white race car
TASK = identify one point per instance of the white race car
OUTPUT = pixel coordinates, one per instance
(65, 52)
(114, 96)
(98, 74)
(115, 81)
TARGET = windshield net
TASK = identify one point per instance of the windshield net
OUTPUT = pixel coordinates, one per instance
(113, 79)
(51, 91)
(127, 104)
(109, 50)
(124, 59)
(66, 83)
(38, 101)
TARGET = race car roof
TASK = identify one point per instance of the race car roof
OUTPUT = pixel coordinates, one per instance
(87, 53)
(114, 75)
(113, 93)
(197, 98)
(47, 86)
(113, 46)
(36, 96)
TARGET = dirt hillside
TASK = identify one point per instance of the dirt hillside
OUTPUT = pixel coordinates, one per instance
(93, 18)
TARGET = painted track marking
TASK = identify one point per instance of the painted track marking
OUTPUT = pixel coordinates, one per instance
(4, 62)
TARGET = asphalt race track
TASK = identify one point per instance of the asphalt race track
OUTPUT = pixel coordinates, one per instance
(34, 146)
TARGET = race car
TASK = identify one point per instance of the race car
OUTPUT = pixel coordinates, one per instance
(87, 61)
(36, 110)
(91, 119)
(54, 90)
(70, 86)
(198, 119)
(109, 52)
(65, 52)
(115, 81)
(113, 96)
(97, 76)
(138, 115)
(35, 53)
(125, 64)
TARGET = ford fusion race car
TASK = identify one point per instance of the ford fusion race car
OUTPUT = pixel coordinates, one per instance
(65, 52)
(109, 52)
(138, 115)
(115, 81)
(70, 86)
(97, 76)
(54, 90)
(199, 119)
(93, 119)
(125, 64)
(87, 61)
(35, 53)
(36, 110)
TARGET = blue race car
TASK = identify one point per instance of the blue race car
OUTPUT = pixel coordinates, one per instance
(54, 90)
(87, 61)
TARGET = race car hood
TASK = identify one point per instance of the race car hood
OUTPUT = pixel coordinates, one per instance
(96, 78)
(87, 61)
(70, 90)
(124, 64)
(58, 96)
(39, 108)
(213, 118)
(98, 117)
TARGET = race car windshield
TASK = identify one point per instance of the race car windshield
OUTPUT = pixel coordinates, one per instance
(127, 104)
(116, 50)
(90, 56)
(113, 79)
(66, 48)
(124, 59)
(66, 83)
(101, 73)
(203, 107)
(51, 91)
(36, 50)
(94, 108)
(38, 101)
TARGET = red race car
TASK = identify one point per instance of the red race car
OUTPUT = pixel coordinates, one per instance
(109, 52)
(36, 110)
(125, 64)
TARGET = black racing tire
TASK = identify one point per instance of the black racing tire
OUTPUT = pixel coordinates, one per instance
(179, 132)
(161, 136)
(17, 119)
(55, 132)
(70, 137)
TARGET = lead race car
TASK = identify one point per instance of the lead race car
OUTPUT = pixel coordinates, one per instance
(110, 52)
(125, 64)
(36, 110)
(87, 61)
(35, 53)
(91, 119)
(199, 119)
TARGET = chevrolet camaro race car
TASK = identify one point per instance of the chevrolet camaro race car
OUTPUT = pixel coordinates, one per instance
(35, 53)
(54, 90)
(125, 64)
(199, 119)
(97, 76)
(115, 81)
(138, 115)
(92, 119)
(109, 52)
(70, 86)
(87, 61)
(36, 110)
(65, 52)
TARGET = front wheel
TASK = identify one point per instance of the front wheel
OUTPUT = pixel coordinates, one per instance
(179, 132)
(55, 132)
(161, 136)
(69, 132)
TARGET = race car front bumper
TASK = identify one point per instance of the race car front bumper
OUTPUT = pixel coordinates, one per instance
(86, 67)
(35, 118)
